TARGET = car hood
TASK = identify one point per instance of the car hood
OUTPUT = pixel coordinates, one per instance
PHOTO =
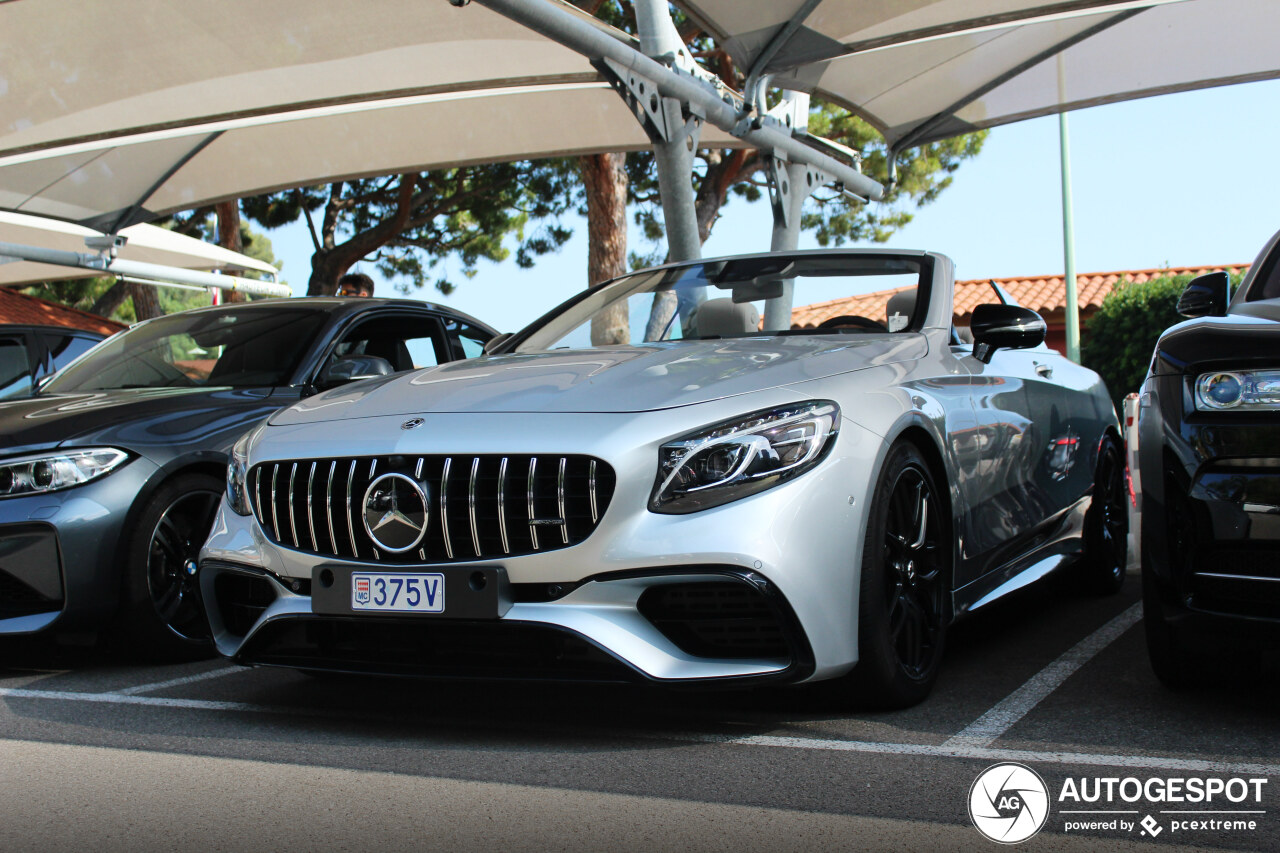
(52, 419)
(609, 379)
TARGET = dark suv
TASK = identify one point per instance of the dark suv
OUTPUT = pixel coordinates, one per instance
(1209, 453)
(110, 474)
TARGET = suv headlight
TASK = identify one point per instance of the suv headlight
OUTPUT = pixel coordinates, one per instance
(238, 472)
(737, 458)
(1245, 390)
(49, 472)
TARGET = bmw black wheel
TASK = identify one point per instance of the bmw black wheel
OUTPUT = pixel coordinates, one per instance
(905, 584)
(1106, 524)
(164, 613)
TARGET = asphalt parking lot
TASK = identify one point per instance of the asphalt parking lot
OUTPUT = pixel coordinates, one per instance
(104, 754)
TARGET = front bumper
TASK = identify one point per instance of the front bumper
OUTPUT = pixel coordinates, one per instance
(59, 553)
(1211, 508)
(790, 554)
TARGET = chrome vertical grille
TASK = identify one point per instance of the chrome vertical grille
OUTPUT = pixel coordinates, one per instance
(502, 505)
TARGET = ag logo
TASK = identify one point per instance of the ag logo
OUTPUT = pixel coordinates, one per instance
(1008, 803)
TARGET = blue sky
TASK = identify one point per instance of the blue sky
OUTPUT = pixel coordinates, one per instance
(1177, 180)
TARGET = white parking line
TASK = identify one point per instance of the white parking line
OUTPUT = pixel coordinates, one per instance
(1150, 762)
(995, 722)
(178, 682)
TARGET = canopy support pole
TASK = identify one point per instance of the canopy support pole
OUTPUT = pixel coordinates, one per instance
(674, 148)
(104, 263)
(789, 185)
(1069, 246)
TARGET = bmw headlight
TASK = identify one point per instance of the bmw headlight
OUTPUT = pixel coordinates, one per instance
(1244, 390)
(737, 458)
(238, 472)
(49, 472)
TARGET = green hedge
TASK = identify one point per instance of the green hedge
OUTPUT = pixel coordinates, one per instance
(1121, 335)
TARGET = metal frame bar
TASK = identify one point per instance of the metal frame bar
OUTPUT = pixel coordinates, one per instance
(154, 273)
(701, 99)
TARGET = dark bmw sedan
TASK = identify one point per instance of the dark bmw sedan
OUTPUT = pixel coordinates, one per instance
(110, 476)
(1209, 451)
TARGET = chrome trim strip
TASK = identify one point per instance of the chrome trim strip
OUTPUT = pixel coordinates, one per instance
(533, 531)
(311, 522)
(502, 505)
(351, 521)
(591, 491)
(328, 506)
(257, 496)
(373, 466)
(417, 469)
(444, 506)
(293, 523)
(564, 521)
(275, 515)
(1235, 577)
(471, 504)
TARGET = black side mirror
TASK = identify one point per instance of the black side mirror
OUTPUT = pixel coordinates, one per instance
(352, 367)
(1206, 296)
(1004, 327)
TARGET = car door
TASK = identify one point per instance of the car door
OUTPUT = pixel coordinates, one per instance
(1040, 429)
(406, 338)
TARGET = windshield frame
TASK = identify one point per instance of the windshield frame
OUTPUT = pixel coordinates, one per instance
(630, 283)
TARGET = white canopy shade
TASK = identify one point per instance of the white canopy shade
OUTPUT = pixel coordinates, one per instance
(922, 70)
(146, 243)
(117, 113)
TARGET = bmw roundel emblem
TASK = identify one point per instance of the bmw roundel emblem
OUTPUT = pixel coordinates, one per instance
(395, 512)
(412, 423)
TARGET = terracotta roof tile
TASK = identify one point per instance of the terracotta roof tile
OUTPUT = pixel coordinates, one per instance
(22, 310)
(1044, 294)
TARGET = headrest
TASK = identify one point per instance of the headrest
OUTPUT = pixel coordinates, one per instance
(899, 310)
(724, 318)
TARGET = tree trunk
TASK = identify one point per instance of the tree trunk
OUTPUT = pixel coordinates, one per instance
(605, 180)
(229, 238)
(113, 298)
(146, 301)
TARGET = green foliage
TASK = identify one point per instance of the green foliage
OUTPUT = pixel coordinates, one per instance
(923, 173)
(1121, 335)
(408, 233)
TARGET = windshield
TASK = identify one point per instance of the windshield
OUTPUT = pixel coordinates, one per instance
(831, 294)
(236, 347)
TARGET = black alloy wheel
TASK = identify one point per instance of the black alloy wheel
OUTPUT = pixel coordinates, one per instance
(165, 614)
(905, 584)
(1106, 525)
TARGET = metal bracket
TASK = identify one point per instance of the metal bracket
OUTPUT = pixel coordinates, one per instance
(780, 173)
(663, 118)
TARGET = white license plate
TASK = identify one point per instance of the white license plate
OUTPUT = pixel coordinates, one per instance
(397, 593)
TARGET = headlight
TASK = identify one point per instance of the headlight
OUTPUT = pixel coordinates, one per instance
(50, 472)
(1246, 390)
(238, 470)
(734, 459)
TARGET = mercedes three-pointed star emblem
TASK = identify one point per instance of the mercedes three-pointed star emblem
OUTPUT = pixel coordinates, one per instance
(396, 511)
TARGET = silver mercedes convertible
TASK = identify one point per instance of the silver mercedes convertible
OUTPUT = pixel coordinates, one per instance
(770, 468)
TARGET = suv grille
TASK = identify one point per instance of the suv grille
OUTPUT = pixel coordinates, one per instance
(478, 507)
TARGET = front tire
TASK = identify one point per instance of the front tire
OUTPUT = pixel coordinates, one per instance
(164, 615)
(904, 586)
